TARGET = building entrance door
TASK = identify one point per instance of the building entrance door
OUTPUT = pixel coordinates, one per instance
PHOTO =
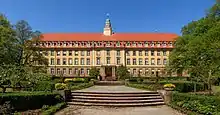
(108, 71)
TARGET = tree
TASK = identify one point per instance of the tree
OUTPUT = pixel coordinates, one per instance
(122, 72)
(94, 72)
(28, 54)
(7, 42)
(197, 51)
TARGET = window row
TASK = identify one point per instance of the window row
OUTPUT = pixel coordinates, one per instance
(140, 61)
(67, 53)
(69, 61)
(89, 44)
(146, 53)
(70, 71)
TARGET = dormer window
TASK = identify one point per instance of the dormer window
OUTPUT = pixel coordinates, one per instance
(139, 44)
(158, 44)
(54, 44)
(152, 44)
(146, 44)
(118, 44)
(170, 44)
(49, 44)
(133, 44)
(164, 44)
(128, 44)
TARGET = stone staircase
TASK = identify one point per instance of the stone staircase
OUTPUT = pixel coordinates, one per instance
(116, 99)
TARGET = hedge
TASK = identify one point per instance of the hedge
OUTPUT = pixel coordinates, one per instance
(44, 86)
(197, 103)
(152, 87)
(53, 109)
(21, 101)
(81, 86)
(181, 86)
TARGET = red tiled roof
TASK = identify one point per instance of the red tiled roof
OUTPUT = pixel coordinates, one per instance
(114, 37)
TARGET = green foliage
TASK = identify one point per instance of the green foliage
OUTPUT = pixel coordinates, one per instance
(60, 86)
(22, 101)
(122, 73)
(82, 86)
(197, 51)
(44, 86)
(53, 109)
(94, 72)
(152, 87)
(6, 108)
(197, 103)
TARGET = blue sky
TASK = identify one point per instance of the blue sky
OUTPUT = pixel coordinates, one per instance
(89, 15)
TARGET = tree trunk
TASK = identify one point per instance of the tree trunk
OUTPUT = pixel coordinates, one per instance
(209, 83)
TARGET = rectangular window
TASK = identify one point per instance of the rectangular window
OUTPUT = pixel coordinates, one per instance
(87, 71)
(64, 52)
(82, 53)
(134, 71)
(76, 53)
(108, 60)
(64, 61)
(134, 62)
(158, 61)
(128, 61)
(58, 71)
(70, 52)
(52, 71)
(64, 71)
(98, 61)
(52, 61)
(118, 52)
(76, 61)
(140, 61)
(164, 61)
(152, 61)
(140, 53)
(134, 53)
(118, 60)
(70, 61)
(146, 53)
(152, 53)
(127, 53)
(82, 61)
(82, 71)
(88, 61)
(58, 61)
(158, 53)
(58, 53)
(108, 52)
(146, 61)
(164, 53)
(52, 53)
(70, 71)
(75, 71)
(88, 53)
(46, 53)
(98, 53)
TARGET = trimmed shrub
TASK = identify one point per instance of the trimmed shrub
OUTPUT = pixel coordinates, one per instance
(60, 86)
(53, 109)
(44, 86)
(82, 86)
(209, 105)
(21, 101)
(151, 87)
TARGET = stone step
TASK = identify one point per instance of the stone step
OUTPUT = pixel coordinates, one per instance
(118, 92)
(116, 101)
(115, 98)
(109, 83)
(115, 95)
(117, 104)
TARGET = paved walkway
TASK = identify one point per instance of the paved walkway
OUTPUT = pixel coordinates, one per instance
(94, 110)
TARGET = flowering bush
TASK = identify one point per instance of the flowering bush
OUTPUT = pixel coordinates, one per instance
(170, 85)
(60, 86)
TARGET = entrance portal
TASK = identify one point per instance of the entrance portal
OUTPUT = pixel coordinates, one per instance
(108, 71)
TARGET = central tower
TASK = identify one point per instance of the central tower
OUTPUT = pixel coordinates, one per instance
(107, 31)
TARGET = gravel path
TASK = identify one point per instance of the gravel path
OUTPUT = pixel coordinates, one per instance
(111, 89)
(94, 110)
(86, 110)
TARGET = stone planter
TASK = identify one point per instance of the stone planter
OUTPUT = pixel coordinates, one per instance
(169, 88)
(64, 93)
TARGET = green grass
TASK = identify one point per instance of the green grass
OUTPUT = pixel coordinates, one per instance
(216, 90)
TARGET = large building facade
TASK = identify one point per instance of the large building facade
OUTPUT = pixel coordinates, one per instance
(73, 54)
